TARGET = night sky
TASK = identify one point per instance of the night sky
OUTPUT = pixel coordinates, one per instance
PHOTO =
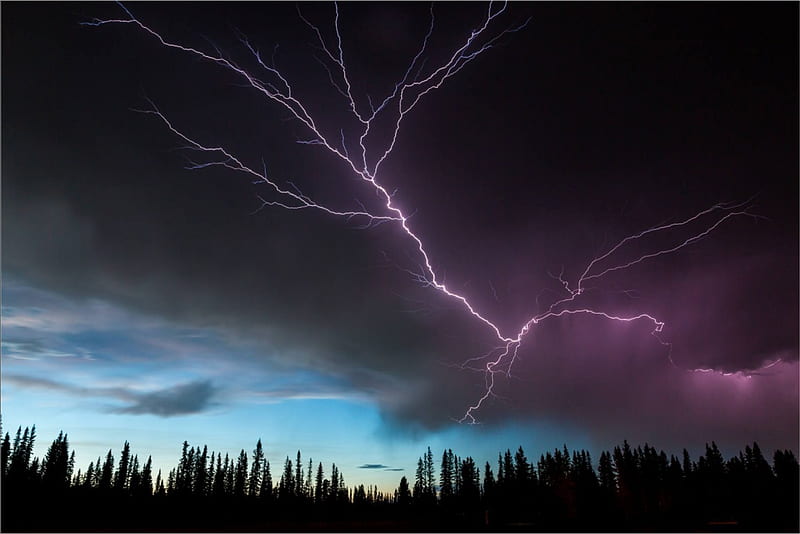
(149, 302)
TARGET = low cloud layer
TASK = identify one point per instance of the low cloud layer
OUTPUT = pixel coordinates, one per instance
(180, 399)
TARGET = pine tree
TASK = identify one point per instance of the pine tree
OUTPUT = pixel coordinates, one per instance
(501, 473)
(508, 470)
(29, 445)
(254, 483)
(135, 479)
(19, 460)
(121, 479)
(266, 483)
(56, 473)
(146, 485)
(522, 469)
(98, 471)
(18, 440)
(34, 473)
(334, 495)
(171, 482)
(88, 480)
(5, 454)
(342, 489)
(211, 475)
(488, 481)
(307, 491)
(70, 465)
(298, 477)
(430, 477)
(240, 478)
(286, 485)
(201, 481)
(107, 472)
(419, 482)
(606, 473)
(403, 497)
(182, 483)
(446, 477)
(160, 490)
(470, 482)
(318, 495)
(360, 495)
(219, 477)
(687, 463)
(457, 475)
(229, 481)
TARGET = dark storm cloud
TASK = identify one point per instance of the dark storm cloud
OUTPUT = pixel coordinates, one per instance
(181, 399)
(95, 205)
(612, 380)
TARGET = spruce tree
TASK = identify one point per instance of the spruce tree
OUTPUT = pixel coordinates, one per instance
(5, 454)
(266, 483)
(488, 481)
(446, 477)
(55, 469)
(419, 481)
(146, 484)
(201, 481)
(286, 487)
(123, 472)
(606, 473)
(88, 480)
(107, 472)
(430, 477)
(229, 479)
(298, 477)
(308, 491)
(254, 483)
(160, 490)
(240, 477)
(219, 477)
(334, 491)
(318, 496)
(403, 497)
(135, 479)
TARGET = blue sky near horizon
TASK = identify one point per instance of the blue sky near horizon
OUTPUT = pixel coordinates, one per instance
(80, 367)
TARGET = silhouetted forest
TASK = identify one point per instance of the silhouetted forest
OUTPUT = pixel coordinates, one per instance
(627, 489)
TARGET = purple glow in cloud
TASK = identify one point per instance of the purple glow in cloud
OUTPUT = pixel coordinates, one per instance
(365, 164)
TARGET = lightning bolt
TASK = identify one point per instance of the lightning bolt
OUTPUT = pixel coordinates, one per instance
(417, 82)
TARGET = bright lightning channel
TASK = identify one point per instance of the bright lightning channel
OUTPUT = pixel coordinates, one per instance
(403, 98)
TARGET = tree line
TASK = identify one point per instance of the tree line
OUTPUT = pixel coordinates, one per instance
(630, 488)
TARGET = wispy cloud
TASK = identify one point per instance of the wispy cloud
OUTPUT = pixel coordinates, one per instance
(36, 350)
(310, 391)
(380, 466)
(181, 399)
(42, 311)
